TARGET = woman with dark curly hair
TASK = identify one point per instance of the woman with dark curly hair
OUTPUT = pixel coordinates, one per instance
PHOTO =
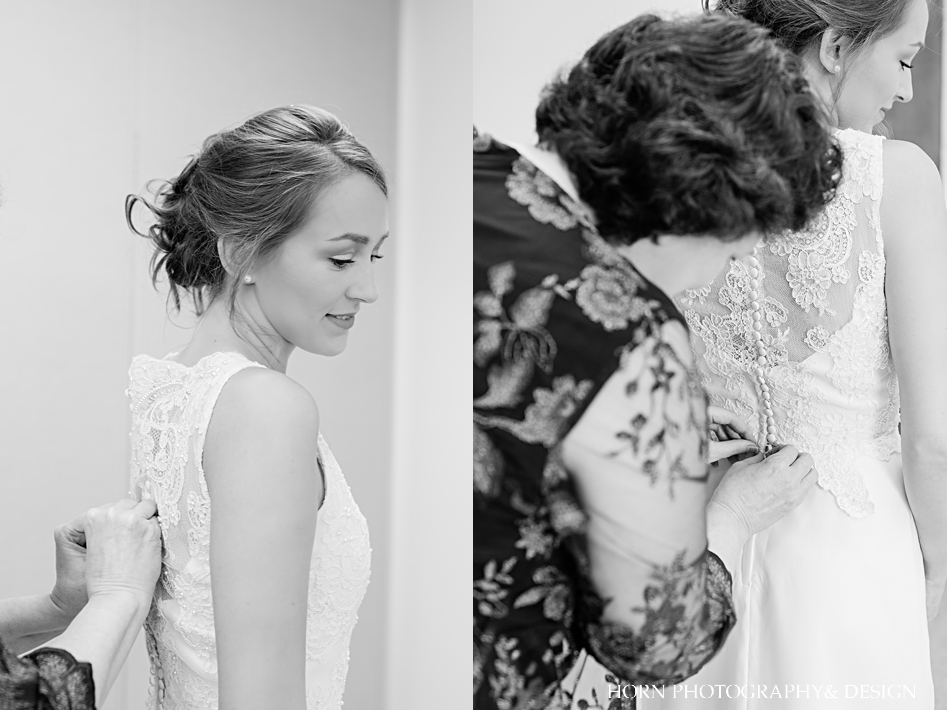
(669, 149)
(810, 340)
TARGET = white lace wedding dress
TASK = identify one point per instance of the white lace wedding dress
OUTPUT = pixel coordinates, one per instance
(171, 409)
(831, 598)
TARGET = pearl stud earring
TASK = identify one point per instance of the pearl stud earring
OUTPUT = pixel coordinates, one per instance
(836, 69)
(248, 279)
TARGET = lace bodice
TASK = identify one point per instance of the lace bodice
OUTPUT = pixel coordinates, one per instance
(823, 361)
(171, 409)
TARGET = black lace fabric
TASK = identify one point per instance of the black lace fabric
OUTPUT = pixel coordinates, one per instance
(588, 419)
(46, 679)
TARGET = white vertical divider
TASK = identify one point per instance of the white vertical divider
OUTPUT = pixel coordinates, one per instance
(428, 655)
(942, 163)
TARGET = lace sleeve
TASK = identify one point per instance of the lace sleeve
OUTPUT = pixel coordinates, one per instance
(654, 604)
(47, 678)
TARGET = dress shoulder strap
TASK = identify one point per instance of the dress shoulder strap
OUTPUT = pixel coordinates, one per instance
(208, 379)
(862, 174)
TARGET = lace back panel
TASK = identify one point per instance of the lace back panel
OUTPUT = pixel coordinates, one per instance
(825, 340)
(171, 409)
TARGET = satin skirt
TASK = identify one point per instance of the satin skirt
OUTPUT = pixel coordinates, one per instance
(830, 612)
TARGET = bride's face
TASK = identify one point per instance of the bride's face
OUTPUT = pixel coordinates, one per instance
(312, 286)
(880, 75)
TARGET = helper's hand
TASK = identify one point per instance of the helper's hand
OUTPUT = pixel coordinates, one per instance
(69, 592)
(729, 435)
(123, 543)
(935, 595)
(757, 492)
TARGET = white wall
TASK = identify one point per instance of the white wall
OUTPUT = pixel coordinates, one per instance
(520, 45)
(429, 639)
(101, 97)
(938, 628)
(66, 147)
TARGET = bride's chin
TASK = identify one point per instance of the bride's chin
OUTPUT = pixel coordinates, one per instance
(326, 348)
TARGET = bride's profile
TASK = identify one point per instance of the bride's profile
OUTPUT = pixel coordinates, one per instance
(271, 230)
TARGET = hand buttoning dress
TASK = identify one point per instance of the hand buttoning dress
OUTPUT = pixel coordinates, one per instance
(171, 409)
(794, 340)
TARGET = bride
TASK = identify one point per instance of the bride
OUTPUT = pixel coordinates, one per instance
(272, 229)
(810, 339)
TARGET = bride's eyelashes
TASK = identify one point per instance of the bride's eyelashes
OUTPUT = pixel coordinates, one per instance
(342, 261)
(348, 261)
(905, 65)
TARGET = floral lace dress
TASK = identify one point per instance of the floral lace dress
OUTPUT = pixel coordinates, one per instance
(794, 339)
(171, 409)
(590, 563)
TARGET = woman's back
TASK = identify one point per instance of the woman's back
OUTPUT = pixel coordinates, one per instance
(172, 407)
(794, 338)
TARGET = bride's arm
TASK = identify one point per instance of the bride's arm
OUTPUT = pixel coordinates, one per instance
(914, 223)
(264, 486)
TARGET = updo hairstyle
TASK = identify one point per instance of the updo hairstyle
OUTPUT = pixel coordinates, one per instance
(250, 186)
(699, 126)
(799, 24)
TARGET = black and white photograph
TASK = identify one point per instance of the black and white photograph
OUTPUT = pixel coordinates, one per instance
(235, 242)
(710, 396)
(708, 242)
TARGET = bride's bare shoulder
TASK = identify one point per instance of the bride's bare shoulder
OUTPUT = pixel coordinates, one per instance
(261, 410)
(912, 201)
(906, 165)
(262, 390)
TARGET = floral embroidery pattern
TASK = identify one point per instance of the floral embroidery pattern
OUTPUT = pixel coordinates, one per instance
(816, 258)
(545, 418)
(607, 291)
(609, 297)
(526, 336)
(698, 295)
(527, 343)
(552, 589)
(491, 589)
(482, 142)
(810, 280)
(817, 338)
(541, 196)
(506, 683)
(814, 307)
(488, 465)
(652, 432)
(545, 341)
(667, 649)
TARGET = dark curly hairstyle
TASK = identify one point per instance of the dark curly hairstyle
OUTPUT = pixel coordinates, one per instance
(698, 126)
(250, 186)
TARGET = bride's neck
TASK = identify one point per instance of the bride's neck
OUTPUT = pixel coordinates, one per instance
(218, 331)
